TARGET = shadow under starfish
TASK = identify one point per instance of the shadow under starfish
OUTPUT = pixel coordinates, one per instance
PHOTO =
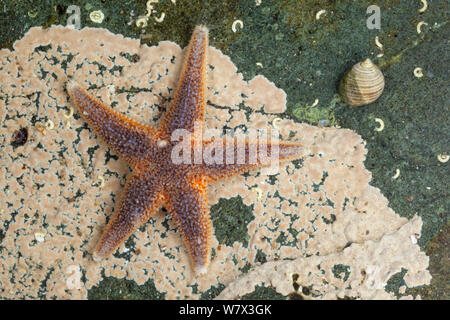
(159, 177)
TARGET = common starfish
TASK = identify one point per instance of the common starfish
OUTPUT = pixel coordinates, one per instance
(156, 178)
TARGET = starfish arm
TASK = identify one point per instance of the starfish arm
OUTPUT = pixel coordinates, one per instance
(128, 138)
(188, 107)
(227, 157)
(189, 208)
(138, 201)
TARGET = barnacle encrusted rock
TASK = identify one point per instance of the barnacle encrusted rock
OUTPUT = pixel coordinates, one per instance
(320, 211)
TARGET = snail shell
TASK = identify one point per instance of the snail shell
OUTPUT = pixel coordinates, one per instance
(362, 85)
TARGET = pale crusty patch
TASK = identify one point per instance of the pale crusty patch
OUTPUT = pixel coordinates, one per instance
(263, 94)
(315, 206)
(369, 266)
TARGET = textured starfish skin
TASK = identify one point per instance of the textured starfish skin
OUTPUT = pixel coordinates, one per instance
(156, 180)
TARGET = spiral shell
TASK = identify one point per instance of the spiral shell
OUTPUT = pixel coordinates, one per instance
(363, 84)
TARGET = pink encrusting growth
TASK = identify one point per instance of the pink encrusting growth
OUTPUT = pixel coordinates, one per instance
(156, 179)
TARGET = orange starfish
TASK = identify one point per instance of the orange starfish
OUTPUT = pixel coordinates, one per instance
(160, 179)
